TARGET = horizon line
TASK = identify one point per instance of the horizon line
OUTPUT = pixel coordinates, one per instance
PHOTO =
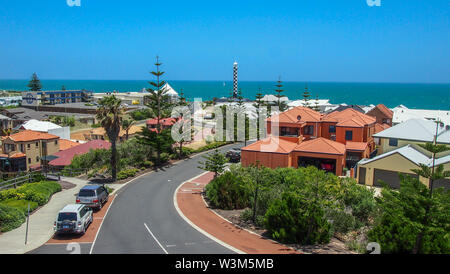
(293, 81)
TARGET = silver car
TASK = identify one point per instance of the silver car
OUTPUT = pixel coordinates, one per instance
(93, 196)
(73, 219)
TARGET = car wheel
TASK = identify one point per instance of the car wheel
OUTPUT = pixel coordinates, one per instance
(100, 206)
(84, 230)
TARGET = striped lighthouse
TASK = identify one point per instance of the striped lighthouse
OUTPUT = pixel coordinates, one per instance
(235, 79)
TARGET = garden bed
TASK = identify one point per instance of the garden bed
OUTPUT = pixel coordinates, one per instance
(335, 246)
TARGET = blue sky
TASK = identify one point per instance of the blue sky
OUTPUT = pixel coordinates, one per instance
(310, 40)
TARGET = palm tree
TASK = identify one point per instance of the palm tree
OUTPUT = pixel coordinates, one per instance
(126, 125)
(109, 114)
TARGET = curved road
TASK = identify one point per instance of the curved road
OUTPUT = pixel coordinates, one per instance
(143, 218)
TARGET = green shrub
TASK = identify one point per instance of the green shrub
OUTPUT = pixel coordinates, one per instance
(229, 191)
(22, 205)
(165, 157)
(11, 194)
(123, 174)
(295, 219)
(342, 222)
(39, 192)
(10, 218)
(147, 164)
(360, 200)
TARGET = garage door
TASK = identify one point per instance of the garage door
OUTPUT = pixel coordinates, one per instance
(389, 177)
(445, 183)
(362, 176)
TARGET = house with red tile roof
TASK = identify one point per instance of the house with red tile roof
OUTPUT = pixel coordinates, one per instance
(306, 137)
(26, 149)
(64, 158)
(382, 114)
(164, 122)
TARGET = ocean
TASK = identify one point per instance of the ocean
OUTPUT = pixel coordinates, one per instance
(420, 96)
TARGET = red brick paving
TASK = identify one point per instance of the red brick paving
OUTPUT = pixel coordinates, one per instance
(190, 202)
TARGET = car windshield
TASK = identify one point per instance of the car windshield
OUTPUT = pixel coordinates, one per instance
(86, 193)
(67, 216)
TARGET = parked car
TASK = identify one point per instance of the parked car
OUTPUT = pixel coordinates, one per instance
(234, 155)
(93, 196)
(73, 218)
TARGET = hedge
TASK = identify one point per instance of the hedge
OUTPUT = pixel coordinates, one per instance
(10, 218)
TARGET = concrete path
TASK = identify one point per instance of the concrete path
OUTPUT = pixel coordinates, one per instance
(40, 228)
(191, 204)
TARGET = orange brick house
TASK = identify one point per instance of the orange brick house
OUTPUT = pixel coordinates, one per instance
(306, 137)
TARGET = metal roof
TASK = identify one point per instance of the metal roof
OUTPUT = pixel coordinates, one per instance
(412, 154)
(417, 130)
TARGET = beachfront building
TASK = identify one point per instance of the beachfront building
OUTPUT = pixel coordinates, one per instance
(12, 101)
(387, 167)
(306, 137)
(273, 100)
(27, 150)
(36, 98)
(412, 131)
(402, 114)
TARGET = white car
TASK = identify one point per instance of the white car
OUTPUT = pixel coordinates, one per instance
(73, 218)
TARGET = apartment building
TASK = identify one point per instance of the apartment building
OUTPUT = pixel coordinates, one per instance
(36, 98)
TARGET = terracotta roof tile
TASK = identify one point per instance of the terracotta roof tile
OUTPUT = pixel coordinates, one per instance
(358, 146)
(305, 114)
(30, 135)
(272, 144)
(380, 127)
(385, 110)
(66, 144)
(349, 117)
(321, 145)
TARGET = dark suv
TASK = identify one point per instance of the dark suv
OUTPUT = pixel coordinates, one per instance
(93, 196)
(234, 155)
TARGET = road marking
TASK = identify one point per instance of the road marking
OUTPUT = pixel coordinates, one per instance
(189, 243)
(175, 203)
(155, 239)
(171, 245)
(100, 227)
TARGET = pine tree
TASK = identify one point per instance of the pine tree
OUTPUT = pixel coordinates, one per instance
(316, 104)
(282, 106)
(35, 83)
(306, 97)
(258, 104)
(159, 102)
(432, 173)
(214, 162)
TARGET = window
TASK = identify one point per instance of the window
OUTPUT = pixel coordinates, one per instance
(22, 148)
(56, 142)
(29, 160)
(37, 144)
(332, 129)
(309, 130)
(393, 142)
(348, 135)
(28, 146)
(37, 158)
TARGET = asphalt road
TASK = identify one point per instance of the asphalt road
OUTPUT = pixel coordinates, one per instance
(143, 218)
